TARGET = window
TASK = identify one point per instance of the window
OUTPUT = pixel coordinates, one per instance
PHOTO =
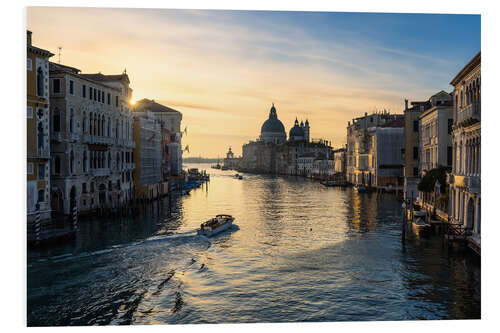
(56, 121)
(71, 87)
(29, 112)
(450, 125)
(415, 153)
(95, 94)
(71, 162)
(98, 95)
(30, 169)
(415, 126)
(71, 120)
(415, 172)
(84, 91)
(39, 82)
(449, 155)
(91, 90)
(116, 101)
(56, 86)
(41, 171)
(41, 136)
(29, 65)
(84, 187)
(41, 195)
(109, 98)
(57, 165)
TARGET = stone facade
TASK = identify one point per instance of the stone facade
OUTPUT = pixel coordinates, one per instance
(436, 126)
(91, 140)
(359, 159)
(37, 128)
(465, 178)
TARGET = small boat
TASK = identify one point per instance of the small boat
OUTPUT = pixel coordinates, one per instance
(360, 188)
(236, 176)
(418, 224)
(240, 177)
(224, 168)
(216, 225)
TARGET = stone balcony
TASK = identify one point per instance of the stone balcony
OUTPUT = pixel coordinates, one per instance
(57, 136)
(471, 112)
(100, 172)
(130, 144)
(73, 137)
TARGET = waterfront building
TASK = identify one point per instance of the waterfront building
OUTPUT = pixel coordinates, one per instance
(411, 150)
(359, 161)
(305, 164)
(273, 153)
(148, 155)
(170, 120)
(37, 130)
(91, 140)
(465, 178)
(386, 165)
(323, 167)
(230, 161)
(436, 127)
(339, 157)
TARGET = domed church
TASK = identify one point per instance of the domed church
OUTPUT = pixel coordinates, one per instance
(272, 129)
(299, 132)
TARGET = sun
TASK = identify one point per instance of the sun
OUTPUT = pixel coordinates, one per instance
(132, 102)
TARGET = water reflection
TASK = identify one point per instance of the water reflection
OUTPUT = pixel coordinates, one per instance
(301, 252)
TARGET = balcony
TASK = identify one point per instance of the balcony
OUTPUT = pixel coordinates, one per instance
(471, 112)
(100, 172)
(87, 138)
(473, 184)
(130, 144)
(57, 136)
(43, 152)
(73, 137)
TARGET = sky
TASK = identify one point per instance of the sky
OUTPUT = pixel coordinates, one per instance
(224, 69)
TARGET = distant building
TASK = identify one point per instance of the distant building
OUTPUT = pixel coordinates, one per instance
(38, 131)
(465, 178)
(272, 153)
(386, 167)
(360, 134)
(230, 161)
(170, 121)
(436, 128)
(148, 155)
(339, 157)
(412, 147)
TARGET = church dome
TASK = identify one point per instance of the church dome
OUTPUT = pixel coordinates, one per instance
(272, 129)
(296, 132)
(273, 124)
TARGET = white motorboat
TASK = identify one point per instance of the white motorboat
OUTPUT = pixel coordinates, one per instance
(216, 225)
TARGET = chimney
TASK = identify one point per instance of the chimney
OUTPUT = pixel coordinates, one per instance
(406, 104)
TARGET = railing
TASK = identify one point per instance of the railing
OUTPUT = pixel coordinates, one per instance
(73, 137)
(57, 136)
(43, 152)
(130, 144)
(471, 111)
(100, 172)
(87, 138)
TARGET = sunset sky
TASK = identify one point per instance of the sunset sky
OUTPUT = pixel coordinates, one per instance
(224, 69)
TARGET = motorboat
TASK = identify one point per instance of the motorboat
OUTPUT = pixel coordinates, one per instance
(418, 223)
(216, 225)
(240, 177)
(360, 188)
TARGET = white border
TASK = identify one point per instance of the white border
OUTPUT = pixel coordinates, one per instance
(13, 305)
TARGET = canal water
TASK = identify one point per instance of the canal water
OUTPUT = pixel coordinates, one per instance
(300, 252)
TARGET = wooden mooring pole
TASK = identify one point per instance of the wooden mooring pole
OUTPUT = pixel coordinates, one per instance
(38, 227)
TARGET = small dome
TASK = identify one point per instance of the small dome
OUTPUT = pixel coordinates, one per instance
(296, 131)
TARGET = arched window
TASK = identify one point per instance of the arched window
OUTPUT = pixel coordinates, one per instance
(71, 162)
(117, 160)
(57, 165)
(109, 160)
(462, 99)
(109, 127)
(39, 82)
(84, 123)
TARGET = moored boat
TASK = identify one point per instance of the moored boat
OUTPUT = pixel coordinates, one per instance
(216, 225)
(360, 188)
(418, 223)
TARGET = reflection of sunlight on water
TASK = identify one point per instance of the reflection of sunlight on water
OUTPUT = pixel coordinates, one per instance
(299, 251)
